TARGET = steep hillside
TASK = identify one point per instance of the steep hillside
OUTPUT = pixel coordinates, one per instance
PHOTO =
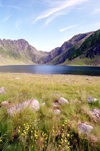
(19, 52)
(67, 45)
(86, 51)
(90, 47)
(82, 49)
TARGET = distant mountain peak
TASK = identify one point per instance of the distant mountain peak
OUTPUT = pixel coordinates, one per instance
(81, 49)
(21, 50)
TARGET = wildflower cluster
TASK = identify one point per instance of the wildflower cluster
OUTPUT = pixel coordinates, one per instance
(64, 138)
(32, 136)
(24, 130)
(60, 136)
(0, 140)
(40, 137)
(44, 139)
(1, 143)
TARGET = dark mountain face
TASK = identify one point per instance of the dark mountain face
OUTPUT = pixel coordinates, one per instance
(90, 48)
(93, 45)
(57, 51)
(84, 48)
(93, 52)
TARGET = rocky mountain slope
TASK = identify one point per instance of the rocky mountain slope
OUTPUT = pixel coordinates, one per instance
(59, 50)
(82, 49)
(19, 52)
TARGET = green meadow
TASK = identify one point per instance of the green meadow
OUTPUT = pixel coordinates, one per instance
(44, 130)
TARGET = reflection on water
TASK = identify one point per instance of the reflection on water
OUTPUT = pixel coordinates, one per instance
(51, 69)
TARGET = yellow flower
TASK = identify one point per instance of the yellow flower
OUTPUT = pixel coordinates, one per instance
(53, 131)
(65, 140)
(18, 131)
(0, 140)
(68, 143)
(65, 122)
(22, 134)
(63, 135)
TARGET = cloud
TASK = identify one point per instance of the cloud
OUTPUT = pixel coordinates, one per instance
(54, 3)
(80, 8)
(10, 6)
(51, 18)
(96, 11)
(63, 29)
(59, 7)
(7, 18)
(17, 25)
(32, 2)
(14, 7)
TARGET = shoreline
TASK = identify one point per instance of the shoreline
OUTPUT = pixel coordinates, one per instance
(48, 74)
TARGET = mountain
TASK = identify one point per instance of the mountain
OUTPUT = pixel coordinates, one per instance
(19, 52)
(82, 49)
(59, 50)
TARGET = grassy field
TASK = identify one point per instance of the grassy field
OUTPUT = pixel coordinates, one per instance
(83, 62)
(11, 61)
(43, 130)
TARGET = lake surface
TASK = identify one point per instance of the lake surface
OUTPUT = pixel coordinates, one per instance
(51, 69)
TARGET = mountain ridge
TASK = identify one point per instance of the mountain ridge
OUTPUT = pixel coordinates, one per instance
(81, 49)
(72, 56)
(20, 50)
(65, 46)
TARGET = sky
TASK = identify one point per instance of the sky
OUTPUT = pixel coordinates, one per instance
(47, 24)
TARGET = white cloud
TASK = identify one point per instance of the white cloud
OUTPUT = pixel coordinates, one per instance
(61, 5)
(52, 17)
(63, 29)
(96, 11)
(49, 20)
(10, 6)
(7, 18)
(30, 4)
(54, 3)
(17, 25)
(80, 8)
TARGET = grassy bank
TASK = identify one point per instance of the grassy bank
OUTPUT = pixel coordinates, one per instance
(12, 61)
(43, 130)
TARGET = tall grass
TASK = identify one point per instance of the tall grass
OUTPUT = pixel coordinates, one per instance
(43, 130)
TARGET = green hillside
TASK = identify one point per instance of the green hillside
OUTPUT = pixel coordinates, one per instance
(84, 52)
(19, 52)
(81, 49)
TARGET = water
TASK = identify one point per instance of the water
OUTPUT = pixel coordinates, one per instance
(51, 69)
